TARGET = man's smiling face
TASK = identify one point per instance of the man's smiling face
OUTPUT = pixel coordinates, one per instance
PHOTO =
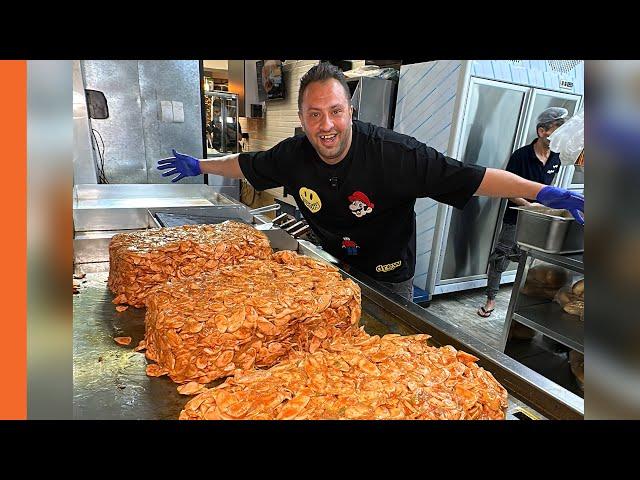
(326, 117)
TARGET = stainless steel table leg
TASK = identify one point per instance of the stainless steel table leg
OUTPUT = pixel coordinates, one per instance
(521, 277)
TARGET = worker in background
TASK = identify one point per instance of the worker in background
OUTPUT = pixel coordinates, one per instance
(356, 183)
(535, 162)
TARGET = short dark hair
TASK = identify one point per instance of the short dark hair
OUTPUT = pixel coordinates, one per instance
(319, 73)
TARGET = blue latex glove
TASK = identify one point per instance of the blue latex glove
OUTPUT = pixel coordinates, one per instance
(555, 197)
(185, 165)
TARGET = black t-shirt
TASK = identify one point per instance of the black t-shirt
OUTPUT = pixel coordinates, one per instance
(362, 209)
(525, 164)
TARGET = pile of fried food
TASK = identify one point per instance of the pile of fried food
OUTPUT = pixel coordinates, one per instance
(360, 377)
(283, 329)
(254, 313)
(138, 261)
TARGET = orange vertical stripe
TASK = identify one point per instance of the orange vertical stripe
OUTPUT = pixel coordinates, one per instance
(13, 241)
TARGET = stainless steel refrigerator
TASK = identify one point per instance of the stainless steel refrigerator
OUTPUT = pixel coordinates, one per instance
(478, 112)
(221, 136)
(373, 99)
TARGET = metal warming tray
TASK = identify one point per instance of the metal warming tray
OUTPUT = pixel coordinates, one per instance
(549, 230)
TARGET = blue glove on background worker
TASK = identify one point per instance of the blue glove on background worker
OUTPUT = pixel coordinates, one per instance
(185, 165)
(554, 197)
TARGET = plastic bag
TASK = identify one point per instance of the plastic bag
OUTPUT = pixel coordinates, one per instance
(535, 290)
(578, 288)
(548, 276)
(575, 308)
(565, 295)
(568, 139)
(570, 302)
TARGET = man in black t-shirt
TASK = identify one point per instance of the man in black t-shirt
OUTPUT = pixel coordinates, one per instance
(356, 183)
(534, 162)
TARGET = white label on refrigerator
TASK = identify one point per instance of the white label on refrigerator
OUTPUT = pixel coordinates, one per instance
(566, 85)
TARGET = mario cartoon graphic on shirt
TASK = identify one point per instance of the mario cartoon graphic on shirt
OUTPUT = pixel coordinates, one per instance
(351, 246)
(360, 204)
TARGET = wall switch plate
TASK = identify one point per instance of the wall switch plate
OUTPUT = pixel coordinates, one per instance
(178, 112)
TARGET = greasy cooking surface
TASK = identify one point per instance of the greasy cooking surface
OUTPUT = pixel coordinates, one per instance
(364, 377)
(255, 313)
(110, 380)
(143, 259)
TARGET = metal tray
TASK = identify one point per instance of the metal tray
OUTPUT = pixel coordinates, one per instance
(124, 206)
(549, 230)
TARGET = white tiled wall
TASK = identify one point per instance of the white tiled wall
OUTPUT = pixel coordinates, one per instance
(281, 116)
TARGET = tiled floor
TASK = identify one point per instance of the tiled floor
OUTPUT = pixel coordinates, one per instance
(459, 308)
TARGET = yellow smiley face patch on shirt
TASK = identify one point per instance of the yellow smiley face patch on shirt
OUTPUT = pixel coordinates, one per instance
(310, 199)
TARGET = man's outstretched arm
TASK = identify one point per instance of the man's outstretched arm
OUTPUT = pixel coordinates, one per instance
(188, 166)
(500, 183)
